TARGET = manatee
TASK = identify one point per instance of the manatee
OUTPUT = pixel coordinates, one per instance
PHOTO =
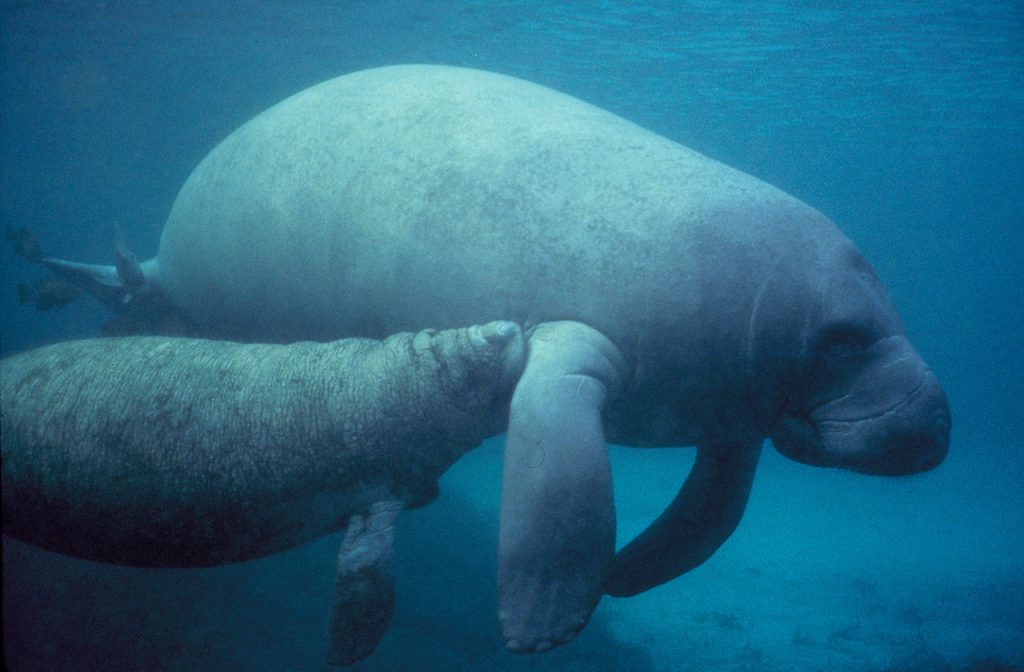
(667, 300)
(174, 452)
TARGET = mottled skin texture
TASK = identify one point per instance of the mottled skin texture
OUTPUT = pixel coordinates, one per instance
(669, 300)
(169, 452)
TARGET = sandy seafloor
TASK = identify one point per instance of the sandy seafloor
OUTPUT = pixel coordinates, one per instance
(902, 121)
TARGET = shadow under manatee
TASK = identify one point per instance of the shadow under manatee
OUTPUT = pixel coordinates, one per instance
(65, 614)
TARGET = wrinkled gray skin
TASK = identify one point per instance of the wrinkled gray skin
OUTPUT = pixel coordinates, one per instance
(670, 299)
(169, 452)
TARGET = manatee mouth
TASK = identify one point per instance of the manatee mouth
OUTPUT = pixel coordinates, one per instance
(908, 437)
(833, 411)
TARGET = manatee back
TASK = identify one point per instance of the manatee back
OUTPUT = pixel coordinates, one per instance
(413, 196)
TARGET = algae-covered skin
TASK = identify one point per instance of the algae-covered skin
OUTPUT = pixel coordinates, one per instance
(170, 452)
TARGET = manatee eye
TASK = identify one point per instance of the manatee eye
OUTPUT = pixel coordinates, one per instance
(837, 358)
(844, 338)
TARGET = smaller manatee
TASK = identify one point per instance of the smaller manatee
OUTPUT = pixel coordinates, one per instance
(173, 452)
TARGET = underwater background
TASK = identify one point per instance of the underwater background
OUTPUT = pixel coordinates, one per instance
(902, 121)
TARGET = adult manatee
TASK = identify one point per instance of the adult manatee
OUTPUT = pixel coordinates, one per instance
(670, 300)
(169, 452)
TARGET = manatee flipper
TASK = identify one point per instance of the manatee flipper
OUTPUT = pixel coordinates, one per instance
(557, 534)
(364, 585)
(129, 271)
(699, 520)
(102, 282)
(114, 286)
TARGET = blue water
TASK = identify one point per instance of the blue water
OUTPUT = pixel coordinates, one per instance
(902, 121)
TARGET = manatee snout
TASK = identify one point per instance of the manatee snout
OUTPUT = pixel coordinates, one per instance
(892, 419)
(916, 437)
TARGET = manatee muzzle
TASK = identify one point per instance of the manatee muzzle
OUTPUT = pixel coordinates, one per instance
(894, 420)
